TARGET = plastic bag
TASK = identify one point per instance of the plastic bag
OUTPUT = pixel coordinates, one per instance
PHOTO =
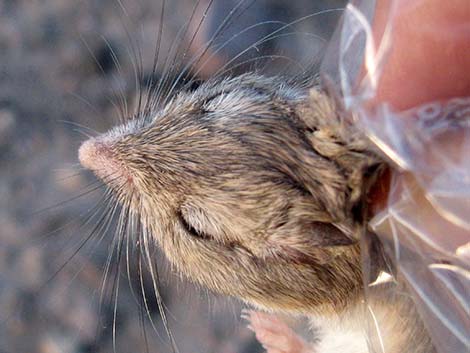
(425, 225)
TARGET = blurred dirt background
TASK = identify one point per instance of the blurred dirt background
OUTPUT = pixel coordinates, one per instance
(56, 75)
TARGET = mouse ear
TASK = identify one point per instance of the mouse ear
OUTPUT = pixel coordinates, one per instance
(310, 242)
(326, 234)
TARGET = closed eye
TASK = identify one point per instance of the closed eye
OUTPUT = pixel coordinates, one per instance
(192, 230)
(196, 233)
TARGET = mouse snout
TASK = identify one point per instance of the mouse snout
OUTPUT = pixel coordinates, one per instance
(97, 155)
(87, 154)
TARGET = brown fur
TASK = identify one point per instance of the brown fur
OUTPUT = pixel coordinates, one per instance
(252, 187)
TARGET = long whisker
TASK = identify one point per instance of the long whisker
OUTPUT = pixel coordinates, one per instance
(109, 261)
(60, 171)
(94, 132)
(110, 100)
(118, 66)
(167, 65)
(88, 217)
(144, 294)
(213, 54)
(121, 237)
(141, 311)
(155, 279)
(156, 91)
(86, 101)
(92, 233)
(219, 31)
(260, 58)
(156, 57)
(111, 253)
(175, 62)
(226, 67)
(62, 203)
(266, 37)
(225, 23)
(63, 265)
(135, 54)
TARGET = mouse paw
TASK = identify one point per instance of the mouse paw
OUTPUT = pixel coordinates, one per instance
(273, 334)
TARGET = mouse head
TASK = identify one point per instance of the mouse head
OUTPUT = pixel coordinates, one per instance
(225, 181)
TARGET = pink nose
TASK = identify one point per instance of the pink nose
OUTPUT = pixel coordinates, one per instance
(89, 155)
(99, 157)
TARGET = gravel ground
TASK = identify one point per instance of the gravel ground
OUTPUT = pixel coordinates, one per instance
(57, 75)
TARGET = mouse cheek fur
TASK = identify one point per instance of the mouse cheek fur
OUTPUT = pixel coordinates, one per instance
(273, 284)
(284, 269)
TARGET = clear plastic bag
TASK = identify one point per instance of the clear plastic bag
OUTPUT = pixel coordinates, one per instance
(425, 224)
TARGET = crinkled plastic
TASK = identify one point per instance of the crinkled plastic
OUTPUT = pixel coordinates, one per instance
(425, 226)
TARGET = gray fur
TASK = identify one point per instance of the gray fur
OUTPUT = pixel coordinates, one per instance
(252, 187)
